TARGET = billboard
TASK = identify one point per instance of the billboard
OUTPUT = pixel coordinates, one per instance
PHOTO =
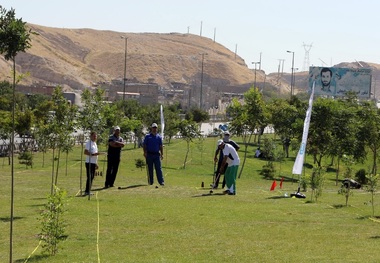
(338, 81)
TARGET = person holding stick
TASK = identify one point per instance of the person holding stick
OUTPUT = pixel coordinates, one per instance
(91, 152)
(217, 174)
(231, 158)
(154, 153)
(115, 143)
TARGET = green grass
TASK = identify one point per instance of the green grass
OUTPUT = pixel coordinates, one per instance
(181, 222)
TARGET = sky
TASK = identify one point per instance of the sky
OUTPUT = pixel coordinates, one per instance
(317, 33)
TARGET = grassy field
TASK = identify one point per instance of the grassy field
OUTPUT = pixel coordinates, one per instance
(182, 222)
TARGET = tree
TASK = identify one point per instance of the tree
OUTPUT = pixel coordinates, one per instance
(369, 130)
(61, 125)
(93, 117)
(248, 118)
(14, 38)
(188, 130)
(284, 117)
(344, 132)
(320, 137)
(197, 115)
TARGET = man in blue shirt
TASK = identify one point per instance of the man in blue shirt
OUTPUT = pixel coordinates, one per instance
(153, 153)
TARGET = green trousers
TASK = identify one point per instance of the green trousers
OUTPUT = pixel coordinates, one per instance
(231, 175)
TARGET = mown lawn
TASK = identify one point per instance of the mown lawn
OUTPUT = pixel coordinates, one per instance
(182, 222)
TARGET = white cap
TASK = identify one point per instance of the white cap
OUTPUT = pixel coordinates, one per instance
(154, 125)
(116, 128)
(220, 142)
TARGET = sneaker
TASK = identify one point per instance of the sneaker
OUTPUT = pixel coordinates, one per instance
(87, 193)
(227, 192)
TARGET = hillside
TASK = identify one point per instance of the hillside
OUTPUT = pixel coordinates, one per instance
(80, 58)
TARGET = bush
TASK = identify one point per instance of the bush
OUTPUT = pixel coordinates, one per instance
(26, 158)
(53, 224)
(361, 176)
(139, 163)
(268, 171)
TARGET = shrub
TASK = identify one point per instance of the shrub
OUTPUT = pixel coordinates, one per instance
(139, 163)
(361, 176)
(53, 224)
(268, 171)
(26, 158)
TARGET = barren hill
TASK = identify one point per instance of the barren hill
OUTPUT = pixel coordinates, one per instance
(80, 57)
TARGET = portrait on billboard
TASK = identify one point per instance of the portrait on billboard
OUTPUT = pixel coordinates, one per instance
(338, 81)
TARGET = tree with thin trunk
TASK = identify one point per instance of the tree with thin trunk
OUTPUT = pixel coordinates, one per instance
(14, 38)
(248, 118)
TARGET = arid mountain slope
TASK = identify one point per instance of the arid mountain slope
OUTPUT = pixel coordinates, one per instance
(80, 57)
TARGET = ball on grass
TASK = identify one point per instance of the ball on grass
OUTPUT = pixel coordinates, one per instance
(156, 186)
(211, 191)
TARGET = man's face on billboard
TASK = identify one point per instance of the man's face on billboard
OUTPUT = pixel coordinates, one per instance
(326, 78)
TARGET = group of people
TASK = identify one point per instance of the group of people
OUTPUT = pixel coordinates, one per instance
(153, 153)
(228, 160)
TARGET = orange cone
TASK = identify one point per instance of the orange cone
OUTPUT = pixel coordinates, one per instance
(282, 179)
(274, 184)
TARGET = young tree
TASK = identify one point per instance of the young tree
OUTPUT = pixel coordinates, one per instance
(14, 38)
(188, 130)
(248, 118)
(369, 130)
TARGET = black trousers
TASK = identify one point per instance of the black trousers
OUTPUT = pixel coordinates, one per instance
(90, 172)
(216, 183)
(112, 168)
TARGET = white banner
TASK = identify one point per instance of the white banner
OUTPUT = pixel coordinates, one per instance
(298, 164)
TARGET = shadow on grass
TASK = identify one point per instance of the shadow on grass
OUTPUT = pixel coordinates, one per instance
(339, 206)
(277, 197)
(375, 237)
(34, 258)
(131, 186)
(8, 219)
(208, 194)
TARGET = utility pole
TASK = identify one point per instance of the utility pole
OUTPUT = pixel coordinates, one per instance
(125, 64)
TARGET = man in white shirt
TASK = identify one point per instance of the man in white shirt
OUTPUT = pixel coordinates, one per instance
(91, 150)
(230, 157)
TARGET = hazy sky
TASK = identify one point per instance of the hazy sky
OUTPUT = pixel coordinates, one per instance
(338, 31)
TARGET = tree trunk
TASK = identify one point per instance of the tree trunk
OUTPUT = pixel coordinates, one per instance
(245, 154)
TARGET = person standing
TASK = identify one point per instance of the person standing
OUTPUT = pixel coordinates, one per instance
(226, 139)
(91, 150)
(231, 158)
(153, 153)
(115, 143)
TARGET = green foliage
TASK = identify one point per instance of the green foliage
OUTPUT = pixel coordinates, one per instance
(372, 188)
(268, 171)
(197, 115)
(316, 183)
(268, 149)
(26, 158)
(189, 130)
(361, 176)
(140, 163)
(53, 223)
(14, 34)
